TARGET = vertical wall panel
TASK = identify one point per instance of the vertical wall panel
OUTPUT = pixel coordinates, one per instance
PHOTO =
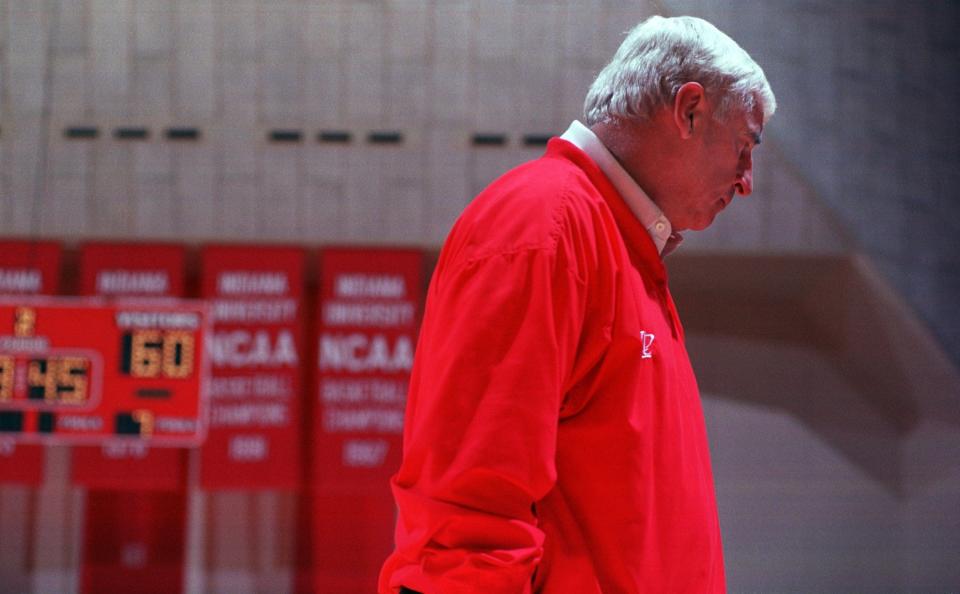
(581, 35)
(112, 206)
(4, 8)
(196, 186)
(238, 142)
(110, 56)
(68, 87)
(15, 503)
(153, 24)
(324, 87)
(449, 84)
(230, 551)
(7, 226)
(364, 60)
(448, 181)
(494, 56)
(408, 33)
(64, 208)
(282, 168)
(325, 195)
(494, 95)
(151, 93)
(539, 48)
(238, 208)
(239, 184)
(71, 26)
(450, 66)
(402, 196)
(236, 67)
(407, 74)
(23, 138)
(53, 549)
(156, 213)
(153, 39)
(362, 216)
(281, 67)
(152, 96)
(193, 61)
(238, 90)
(493, 30)
(27, 35)
(407, 100)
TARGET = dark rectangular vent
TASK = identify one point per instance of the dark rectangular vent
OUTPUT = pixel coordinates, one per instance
(45, 422)
(125, 424)
(385, 137)
(153, 393)
(536, 139)
(183, 134)
(131, 133)
(11, 420)
(286, 136)
(337, 136)
(79, 132)
(486, 139)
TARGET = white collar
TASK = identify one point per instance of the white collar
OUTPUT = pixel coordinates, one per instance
(646, 211)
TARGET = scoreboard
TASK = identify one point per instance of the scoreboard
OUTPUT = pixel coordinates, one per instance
(86, 371)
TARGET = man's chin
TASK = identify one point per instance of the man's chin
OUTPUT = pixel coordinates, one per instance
(700, 224)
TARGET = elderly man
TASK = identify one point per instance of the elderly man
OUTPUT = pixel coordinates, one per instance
(554, 438)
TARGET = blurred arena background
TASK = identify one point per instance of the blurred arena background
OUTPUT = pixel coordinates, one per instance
(821, 312)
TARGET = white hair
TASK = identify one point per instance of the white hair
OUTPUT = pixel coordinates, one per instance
(660, 55)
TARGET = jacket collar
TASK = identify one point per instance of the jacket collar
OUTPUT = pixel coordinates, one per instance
(640, 245)
(645, 209)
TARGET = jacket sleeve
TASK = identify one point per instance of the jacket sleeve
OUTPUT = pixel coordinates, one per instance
(496, 348)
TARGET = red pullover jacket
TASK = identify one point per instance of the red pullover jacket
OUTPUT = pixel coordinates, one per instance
(554, 438)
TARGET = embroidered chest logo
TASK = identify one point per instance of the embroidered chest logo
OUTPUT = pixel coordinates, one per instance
(646, 339)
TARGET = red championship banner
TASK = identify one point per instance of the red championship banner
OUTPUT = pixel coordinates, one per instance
(368, 318)
(135, 516)
(256, 300)
(148, 271)
(26, 268)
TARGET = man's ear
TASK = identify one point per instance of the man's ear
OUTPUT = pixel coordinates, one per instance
(689, 108)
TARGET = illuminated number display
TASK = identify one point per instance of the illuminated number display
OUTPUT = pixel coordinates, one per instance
(157, 353)
(58, 380)
(79, 372)
(6, 378)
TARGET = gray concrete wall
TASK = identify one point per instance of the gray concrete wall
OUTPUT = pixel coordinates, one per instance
(861, 156)
(437, 72)
(867, 92)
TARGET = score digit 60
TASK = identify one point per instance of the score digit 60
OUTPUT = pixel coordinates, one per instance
(157, 353)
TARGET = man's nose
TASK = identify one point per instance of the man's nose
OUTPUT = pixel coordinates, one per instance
(744, 184)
